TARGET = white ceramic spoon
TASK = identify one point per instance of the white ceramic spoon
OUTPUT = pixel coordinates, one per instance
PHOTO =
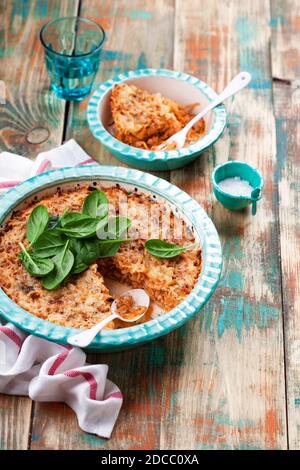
(140, 298)
(240, 81)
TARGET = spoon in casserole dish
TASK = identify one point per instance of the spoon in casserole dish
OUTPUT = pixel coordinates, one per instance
(128, 307)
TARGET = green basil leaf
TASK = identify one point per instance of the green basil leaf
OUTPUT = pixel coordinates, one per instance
(85, 252)
(63, 263)
(108, 248)
(79, 267)
(49, 243)
(162, 249)
(34, 265)
(80, 227)
(37, 223)
(53, 222)
(96, 204)
(88, 251)
(71, 217)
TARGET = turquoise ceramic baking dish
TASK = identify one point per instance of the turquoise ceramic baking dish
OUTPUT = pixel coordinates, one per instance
(178, 86)
(181, 203)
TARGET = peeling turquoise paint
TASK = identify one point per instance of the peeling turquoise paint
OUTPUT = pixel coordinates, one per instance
(157, 354)
(215, 429)
(91, 440)
(237, 313)
(258, 84)
(266, 314)
(250, 311)
(224, 419)
(233, 247)
(276, 21)
(21, 8)
(282, 147)
(222, 446)
(231, 316)
(235, 119)
(206, 318)
(249, 61)
(112, 70)
(141, 63)
(223, 401)
(7, 50)
(41, 8)
(249, 57)
(108, 55)
(114, 62)
(162, 63)
(297, 402)
(35, 438)
(139, 14)
(234, 280)
(173, 403)
(246, 29)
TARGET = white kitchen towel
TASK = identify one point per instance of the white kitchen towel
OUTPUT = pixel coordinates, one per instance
(43, 370)
(14, 168)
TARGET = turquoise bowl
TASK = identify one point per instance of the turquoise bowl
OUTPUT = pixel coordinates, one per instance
(244, 171)
(181, 203)
(178, 86)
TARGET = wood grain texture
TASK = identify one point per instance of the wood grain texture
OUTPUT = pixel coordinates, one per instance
(285, 65)
(219, 381)
(140, 34)
(233, 371)
(30, 105)
(15, 422)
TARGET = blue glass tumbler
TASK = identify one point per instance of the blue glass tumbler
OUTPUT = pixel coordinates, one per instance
(72, 51)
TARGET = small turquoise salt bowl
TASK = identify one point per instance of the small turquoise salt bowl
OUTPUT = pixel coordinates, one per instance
(244, 171)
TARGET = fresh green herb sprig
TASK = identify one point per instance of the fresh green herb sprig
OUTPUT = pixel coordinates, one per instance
(61, 246)
(63, 263)
(37, 223)
(163, 249)
(37, 267)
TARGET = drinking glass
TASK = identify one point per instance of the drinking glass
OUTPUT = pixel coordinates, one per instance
(72, 51)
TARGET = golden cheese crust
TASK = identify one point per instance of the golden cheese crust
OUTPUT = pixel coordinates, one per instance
(85, 300)
(146, 120)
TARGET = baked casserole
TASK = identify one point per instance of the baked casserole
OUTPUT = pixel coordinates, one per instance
(84, 300)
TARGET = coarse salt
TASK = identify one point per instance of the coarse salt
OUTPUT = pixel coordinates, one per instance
(236, 186)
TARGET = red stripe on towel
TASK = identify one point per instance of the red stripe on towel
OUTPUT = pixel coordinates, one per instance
(43, 166)
(115, 395)
(88, 377)
(12, 335)
(86, 162)
(9, 184)
(58, 361)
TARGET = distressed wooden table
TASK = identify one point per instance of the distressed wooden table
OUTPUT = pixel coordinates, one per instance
(230, 378)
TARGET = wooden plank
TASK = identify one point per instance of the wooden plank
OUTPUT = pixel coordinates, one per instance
(285, 53)
(32, 119)
(14, 422)
(140, 34)
(30, 113)
(228, 375)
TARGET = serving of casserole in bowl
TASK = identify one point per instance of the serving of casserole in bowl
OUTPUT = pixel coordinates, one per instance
(137, 111)
(57, 276)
